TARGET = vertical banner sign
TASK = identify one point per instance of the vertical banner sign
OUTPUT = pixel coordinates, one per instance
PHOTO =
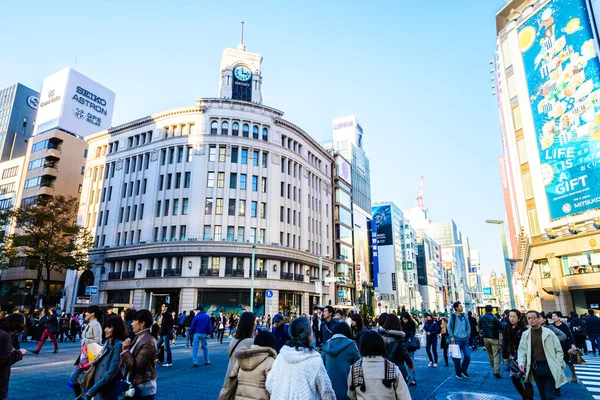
(375, 255)
(563, 78)
(393, 281)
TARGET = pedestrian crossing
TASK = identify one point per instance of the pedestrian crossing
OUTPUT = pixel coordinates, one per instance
(589, 375)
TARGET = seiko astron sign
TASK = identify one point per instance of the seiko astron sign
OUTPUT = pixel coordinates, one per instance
(74, 103)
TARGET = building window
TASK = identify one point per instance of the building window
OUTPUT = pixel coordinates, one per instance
(166, 210)
(171, 155)
(213, 128)
(178, 180)
(245, 130)
(263, 185)
(207, 235)
(230, 234)
(190, 152)
(164, 234)
(242, 209)
(244, 156)
(282, 214)
(184, 206)
(253, 209)
(234, 154)
(255, 132)
(219, 207)
(255, 158)
(265, 159)
(222, 152)
(231, 208)
(265, 135)
(235, 129)
(169, 181)
(221, 179)
(182, 232)
(263, 235)
(175, 207)
(252, 235)
(187, 180)
(254, 183)
(243, 181)
(224, 128)
(208, 206)
(240, 234)
(233, 180)
(217, 235)
(211, 180)
(212, 153)
(179, 154)
(263, 210)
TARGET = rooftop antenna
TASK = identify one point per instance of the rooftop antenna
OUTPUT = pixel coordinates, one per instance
(241, 45)
(75, 63)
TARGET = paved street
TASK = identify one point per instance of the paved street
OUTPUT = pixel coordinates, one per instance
(45, 377)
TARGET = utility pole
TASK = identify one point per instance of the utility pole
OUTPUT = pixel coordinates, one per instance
(252, 279)
(321, 280)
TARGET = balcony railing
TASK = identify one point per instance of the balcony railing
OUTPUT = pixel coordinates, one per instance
(235, 272)
(287, 276)
(299, 277)
(128, 275)
(172, 272)
(209, 272)
(260, 274)
(114, 275)
(153, 273)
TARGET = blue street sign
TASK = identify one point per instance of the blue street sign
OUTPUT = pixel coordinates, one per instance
(269, 294)
(487, 291)
(90, 290)
(341, 294)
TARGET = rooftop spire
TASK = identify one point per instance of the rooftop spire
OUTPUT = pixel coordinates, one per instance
(241, 45)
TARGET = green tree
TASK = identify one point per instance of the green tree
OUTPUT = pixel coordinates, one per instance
(47, 234)
(6, 250)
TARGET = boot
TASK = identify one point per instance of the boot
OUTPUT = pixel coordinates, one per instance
(79, 392)
(528, 393)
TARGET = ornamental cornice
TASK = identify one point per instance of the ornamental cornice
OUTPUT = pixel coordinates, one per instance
(288, 125)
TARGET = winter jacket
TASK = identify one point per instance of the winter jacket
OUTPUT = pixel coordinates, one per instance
(578, 327)
(338, 355)
(432, 327)
(374, 373)
(327, 329)
(358, 336)
(593, 325)
(201, 324)
(142, 360)
(489, 326)
(8, 357)
(394, 347)
(166, 324)
(233, 349)
(187, 322)
(299, 375)
(92, 333)
(182, 318)
(473, 323)
(107, 366)
(250, 371)
(52, 324)
(552, 350)
(511, 338)
(459, 327)
(282, 335)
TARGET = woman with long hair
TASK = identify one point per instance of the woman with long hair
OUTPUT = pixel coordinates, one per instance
(373, 376)
(139, 356)
(511, 335)
(567, 344)
(444, 339)
(243, 339)
(431, 330)
(395, 351)
(298, 372)
(358, 328)
(91, 334)
(14, 323)
(409, 327)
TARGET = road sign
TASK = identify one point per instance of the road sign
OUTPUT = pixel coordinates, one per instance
(487, 291)
(269, 302)
(269, 294)
(341, 294)
(90, 290)
(330, 279)
(378, 304)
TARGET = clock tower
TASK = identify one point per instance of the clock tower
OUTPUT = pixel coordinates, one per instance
(240, 74)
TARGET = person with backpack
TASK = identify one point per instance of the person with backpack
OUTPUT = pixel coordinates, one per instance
(338, 355)
(579, 330)
(490, 329)
(373, 376)
(395, 350)
(280, 331)
(431, 331)
(327, 324)
(459, 330)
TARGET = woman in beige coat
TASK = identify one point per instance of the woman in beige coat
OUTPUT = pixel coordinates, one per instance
(373, 377)
(250, 370)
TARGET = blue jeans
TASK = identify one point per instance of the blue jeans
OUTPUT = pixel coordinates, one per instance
(412, 374)
(200, 337)
(75, 375)
(166, 340)
(463, 344)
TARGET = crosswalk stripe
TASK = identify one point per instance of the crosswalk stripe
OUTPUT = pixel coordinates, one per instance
(589, 375)
(593, 377)
(596, 397)
(590, 383)
(593, 389)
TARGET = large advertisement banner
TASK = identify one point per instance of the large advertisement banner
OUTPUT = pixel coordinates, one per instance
(382, 216)
(563, 77)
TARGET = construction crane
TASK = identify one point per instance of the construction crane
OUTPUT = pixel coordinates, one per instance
(420, 196)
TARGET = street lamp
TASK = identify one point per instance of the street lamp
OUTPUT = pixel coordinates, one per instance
(507, 261)
(321, 278)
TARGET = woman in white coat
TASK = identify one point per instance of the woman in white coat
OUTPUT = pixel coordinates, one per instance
(298, 372)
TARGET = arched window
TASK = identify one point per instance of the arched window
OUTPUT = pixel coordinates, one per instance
(235, 129)
(224, 128)
(255, 132)
(86, 279)
(265, 135)
(245, 130)
(213, 128)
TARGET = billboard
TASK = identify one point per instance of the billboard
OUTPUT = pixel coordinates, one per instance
(74, 103)
(382, 216)
(563, 78)
(344, 169)
(361, 247)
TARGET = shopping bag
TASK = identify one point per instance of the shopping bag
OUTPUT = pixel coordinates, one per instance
(454, 350)
(84, 363)
(93, 350)
(423, 341)
(588, 345)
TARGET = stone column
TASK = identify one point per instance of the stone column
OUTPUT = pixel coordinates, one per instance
(140, 299)
(305, 304)
(562, 295)
(188, 299)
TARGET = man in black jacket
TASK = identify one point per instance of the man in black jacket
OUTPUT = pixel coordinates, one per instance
(166, 326)
(316, 325)
(593, 330)
(490, 328)
(328, 324)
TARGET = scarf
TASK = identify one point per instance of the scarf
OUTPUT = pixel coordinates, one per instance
(358, 377)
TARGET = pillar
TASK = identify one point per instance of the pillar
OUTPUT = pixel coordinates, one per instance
(140, 300)
(188, 299)
(562, 296)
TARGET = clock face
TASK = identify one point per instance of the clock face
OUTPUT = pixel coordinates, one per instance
(242, 73)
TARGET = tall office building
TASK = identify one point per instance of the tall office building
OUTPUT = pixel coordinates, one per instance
(184, 203)
(18, 109)
(548, 77)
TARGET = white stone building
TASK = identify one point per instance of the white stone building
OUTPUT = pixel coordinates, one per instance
(177, 201)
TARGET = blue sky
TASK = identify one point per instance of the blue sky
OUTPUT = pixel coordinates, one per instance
(415, 73)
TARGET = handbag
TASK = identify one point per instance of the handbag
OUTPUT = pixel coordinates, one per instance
(513, 366)
(88, 378)
(423, 341)
(412, 344)
(454, 350)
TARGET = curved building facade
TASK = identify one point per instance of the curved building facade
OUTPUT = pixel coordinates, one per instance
(181, 201)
